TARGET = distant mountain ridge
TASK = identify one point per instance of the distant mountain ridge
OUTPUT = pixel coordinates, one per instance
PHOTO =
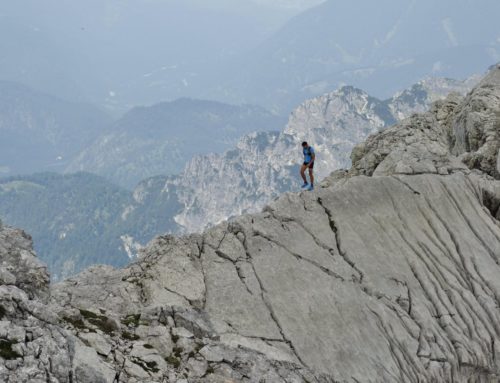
(377, 46)
(160, 139)
(40, 132)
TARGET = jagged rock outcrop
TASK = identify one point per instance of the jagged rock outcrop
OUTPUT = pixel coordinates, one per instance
(264, 165)
(387, 273)
(455, 134)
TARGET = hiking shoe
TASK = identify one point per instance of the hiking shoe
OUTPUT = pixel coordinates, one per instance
(305, 186)
(310, 188)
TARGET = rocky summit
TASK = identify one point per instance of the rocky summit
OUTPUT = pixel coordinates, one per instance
(387, 273)
(264, 165)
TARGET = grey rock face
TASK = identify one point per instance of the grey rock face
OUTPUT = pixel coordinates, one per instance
(318, 289)
(264, 165)
(19, 267)
(455, 134)
(381, 275)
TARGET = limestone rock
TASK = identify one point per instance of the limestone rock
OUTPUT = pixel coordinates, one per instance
(97, 342)
(19, 264)
(456, 133)
(386, 273)
(88, 367)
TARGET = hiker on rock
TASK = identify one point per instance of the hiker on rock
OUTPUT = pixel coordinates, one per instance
(309, 157)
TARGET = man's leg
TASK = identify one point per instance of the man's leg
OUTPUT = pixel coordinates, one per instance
(311, 176)
(303, 173)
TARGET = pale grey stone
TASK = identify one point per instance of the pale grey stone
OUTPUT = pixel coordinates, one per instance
(182, 332)
(88, 367)
(7, 278)
(197, 368)
(97, 342)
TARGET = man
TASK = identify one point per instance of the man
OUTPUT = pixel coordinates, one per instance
(309, 157)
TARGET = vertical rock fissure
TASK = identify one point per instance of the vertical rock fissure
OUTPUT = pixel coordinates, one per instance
(311, 234)
(396, 350)
(269, 307)
(458, 250)
(335, 230)
(470, 225)
(242, 278)
(444, 249)
(225, 257)
(470, 275)
(443, 328)
(203, 272)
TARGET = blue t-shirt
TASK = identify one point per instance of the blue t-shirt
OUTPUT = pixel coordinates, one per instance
(308, 152)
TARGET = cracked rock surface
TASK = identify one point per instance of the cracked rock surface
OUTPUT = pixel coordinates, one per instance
(386, 273)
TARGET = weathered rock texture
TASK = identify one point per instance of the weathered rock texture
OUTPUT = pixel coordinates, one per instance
(387, 273)
(265, 165)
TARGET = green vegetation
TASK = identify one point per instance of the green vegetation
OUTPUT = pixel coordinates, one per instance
(172, 360)
(100, 321)
(72, 218)
(76, 323)
(129, 336)
(151, 366)
(178, 351)
(78, 220)
(132, 320)
(6, 351)
(210, 370)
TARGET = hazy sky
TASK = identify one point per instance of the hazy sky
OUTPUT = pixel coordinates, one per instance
(127, 52)
(293, 5)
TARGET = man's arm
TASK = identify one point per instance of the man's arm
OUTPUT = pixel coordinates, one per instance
(313, 157)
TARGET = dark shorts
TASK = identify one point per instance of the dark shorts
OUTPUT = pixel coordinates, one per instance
(309, 165)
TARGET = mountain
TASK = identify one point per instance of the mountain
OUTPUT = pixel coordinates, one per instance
(376, 46)
(160, 139)
(66, 213)
(264, 165)
(79, 220)
(74, 219)
(40, 132)
(388, 272)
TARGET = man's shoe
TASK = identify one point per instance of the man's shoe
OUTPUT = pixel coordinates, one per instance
(310, 188)
(305, 186)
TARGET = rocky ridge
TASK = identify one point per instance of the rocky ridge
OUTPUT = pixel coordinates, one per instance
(264, 165)
(387, 273)
(77, 218)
